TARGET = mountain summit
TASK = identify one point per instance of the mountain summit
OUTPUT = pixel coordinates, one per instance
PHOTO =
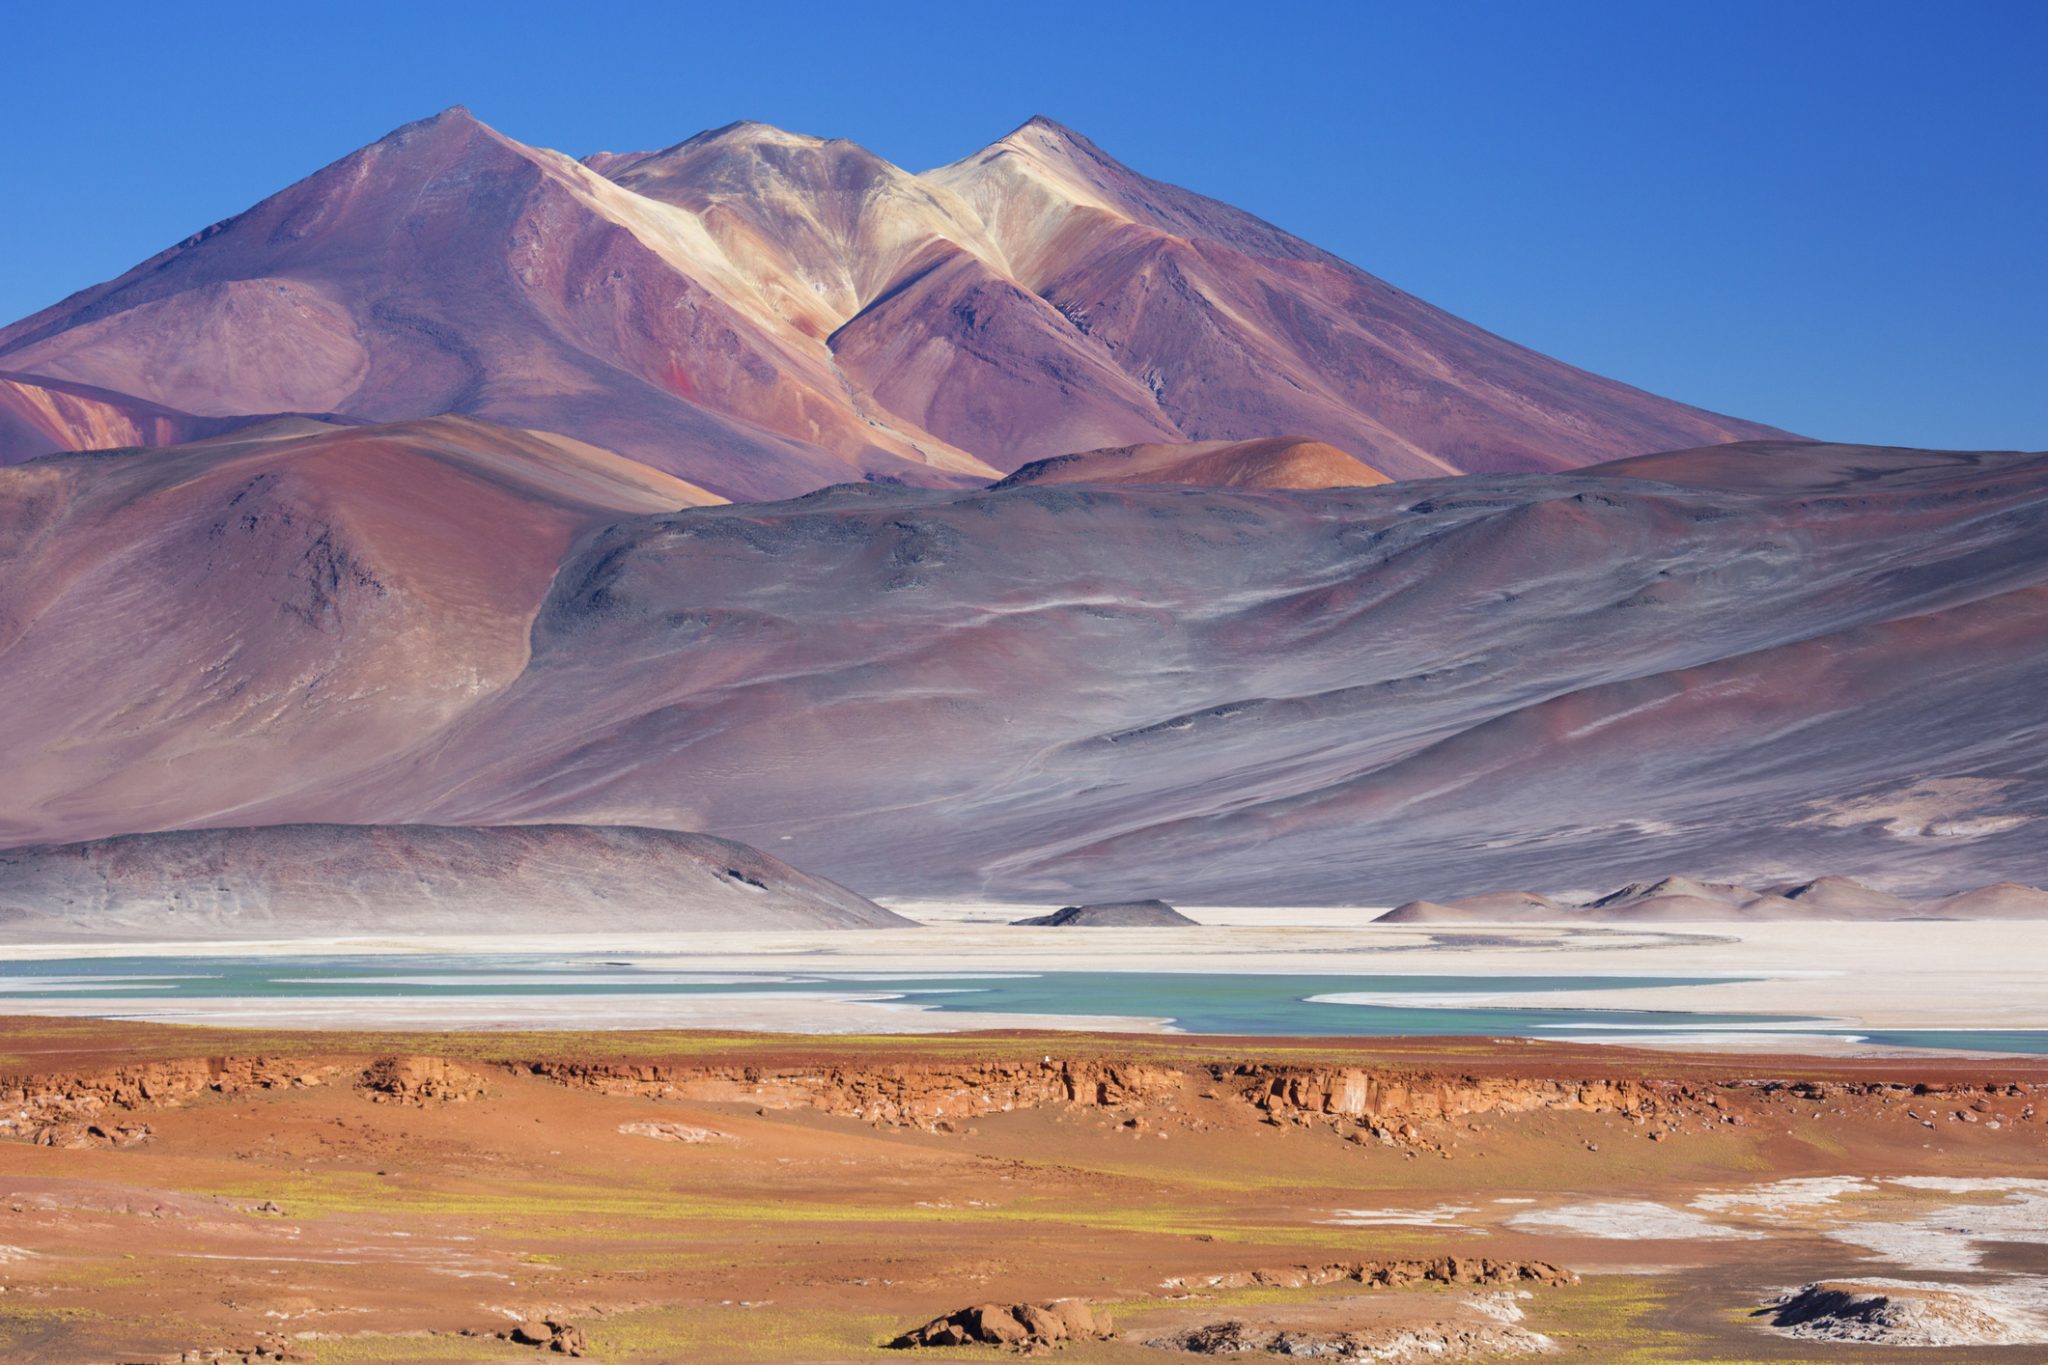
(763, 312)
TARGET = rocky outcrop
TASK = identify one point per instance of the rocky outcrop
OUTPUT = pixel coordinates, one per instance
(1397, 1107)
(917, 1095)
(1401, 1273)
(420, 1081)
(1378, 1098)
(550, 1334)
(929, 1096)
(82, 1110)
(1895, 1313)
(1400, 1107)
(1020, 1326)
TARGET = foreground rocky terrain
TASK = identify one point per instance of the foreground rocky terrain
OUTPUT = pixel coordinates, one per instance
(418, 879)
(1071, 693)
(665, 1196)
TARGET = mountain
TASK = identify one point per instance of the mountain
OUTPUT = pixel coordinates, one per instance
(351, 879)
(184, 629)
(1276, 462)
(763, 313)
(1090, 692)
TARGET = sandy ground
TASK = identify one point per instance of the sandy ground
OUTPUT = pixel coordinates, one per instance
(1903, 975)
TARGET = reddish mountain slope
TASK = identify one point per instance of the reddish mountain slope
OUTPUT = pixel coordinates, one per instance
(764, 313)
(183, 631)
(1278, 462)
(1241, 330)
(47, 416)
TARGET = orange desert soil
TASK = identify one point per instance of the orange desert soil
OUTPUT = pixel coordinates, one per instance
(172, 1193)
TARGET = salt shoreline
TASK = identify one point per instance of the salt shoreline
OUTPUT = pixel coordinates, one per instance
(1876, 977)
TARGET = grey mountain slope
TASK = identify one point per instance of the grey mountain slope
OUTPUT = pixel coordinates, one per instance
(315, 880)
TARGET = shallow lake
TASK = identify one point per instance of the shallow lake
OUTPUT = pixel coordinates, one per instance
(1243, 1003)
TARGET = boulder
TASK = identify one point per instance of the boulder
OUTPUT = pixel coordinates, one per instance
(1024, 1326)
(550, 1334)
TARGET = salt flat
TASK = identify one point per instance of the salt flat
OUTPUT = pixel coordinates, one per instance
(1895, 975)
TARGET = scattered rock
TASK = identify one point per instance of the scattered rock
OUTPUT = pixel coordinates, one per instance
(1022, 1326)
(82, 1135)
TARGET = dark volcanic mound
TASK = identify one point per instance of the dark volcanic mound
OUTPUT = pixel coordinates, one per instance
(358, 879)
(1113, 915)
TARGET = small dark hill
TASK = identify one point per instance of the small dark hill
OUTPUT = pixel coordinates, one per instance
(1150, 914)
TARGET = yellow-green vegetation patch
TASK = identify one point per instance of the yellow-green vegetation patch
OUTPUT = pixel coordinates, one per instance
(394, 1349)
(1615, 1319)
(38, 1314)
(765, 1333)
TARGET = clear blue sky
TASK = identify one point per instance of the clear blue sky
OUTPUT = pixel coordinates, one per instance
(1828, 216)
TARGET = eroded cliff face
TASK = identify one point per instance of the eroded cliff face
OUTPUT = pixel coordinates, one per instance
(100, 1108)
(924, 1096)
(93, 1109)
(1396, 1107)
(908, 1095)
